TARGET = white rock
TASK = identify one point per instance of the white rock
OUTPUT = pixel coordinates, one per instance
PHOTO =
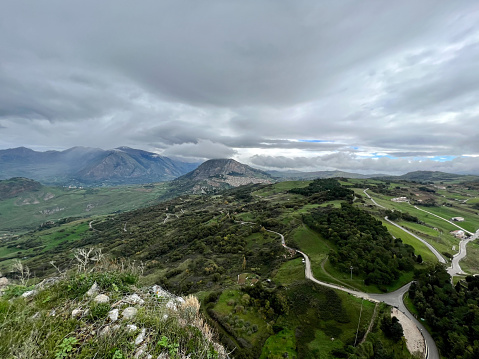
(165, 316)
(3, 282)
(35, 316)
(163, 356)
(77, 313)
(53, 312)
(141, 350)
(113, 314)
(30, 293)
(180, 300)
(139, 339)
(104, 331)
(132, 328)
(160, 292)
(93, 290)
(129, 312)
(171, 305)
(134, 299)
(115, 327)
(101, 298)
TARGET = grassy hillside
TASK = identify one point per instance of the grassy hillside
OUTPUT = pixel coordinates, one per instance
(253, 290)
(30, 208)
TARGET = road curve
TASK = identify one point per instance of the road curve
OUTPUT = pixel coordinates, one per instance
(394, 299)
(438, 255)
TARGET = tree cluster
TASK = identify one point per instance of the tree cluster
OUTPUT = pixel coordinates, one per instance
(451, 312)
(362, 242)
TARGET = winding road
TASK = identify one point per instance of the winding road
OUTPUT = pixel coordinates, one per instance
(395, 298)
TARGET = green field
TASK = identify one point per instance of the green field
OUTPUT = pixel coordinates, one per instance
(28, 210)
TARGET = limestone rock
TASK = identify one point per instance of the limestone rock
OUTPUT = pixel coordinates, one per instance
(30, 293)
(134, 299)
(93, 290)
(101, 298)
(77, 313)
(3, 282)
(105, 331)
(113, 315)
(132, 327)
(129, 312)
(139, 339)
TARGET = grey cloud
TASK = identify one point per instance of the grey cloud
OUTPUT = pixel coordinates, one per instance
(350, 162)
(230, 78)
(200, 151)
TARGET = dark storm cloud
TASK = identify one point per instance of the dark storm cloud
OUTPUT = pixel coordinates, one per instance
(222, 78)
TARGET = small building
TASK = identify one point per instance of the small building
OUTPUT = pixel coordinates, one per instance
(457, 219)
(458, 233)
(399, 199)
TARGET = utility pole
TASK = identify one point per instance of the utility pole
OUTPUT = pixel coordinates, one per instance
(351, 272)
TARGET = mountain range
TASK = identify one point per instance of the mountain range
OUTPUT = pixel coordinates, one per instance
(90, 166)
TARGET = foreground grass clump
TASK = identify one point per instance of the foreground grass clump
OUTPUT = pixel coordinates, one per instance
(102, 314)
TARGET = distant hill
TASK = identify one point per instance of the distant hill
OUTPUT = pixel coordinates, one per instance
(16, 186)
(218, 174)
(90, 166)
(431, 176)
(299, 175)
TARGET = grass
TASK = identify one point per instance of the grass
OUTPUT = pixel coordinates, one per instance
(30, 209)
(290, 272)
(471, 222)
(279, 344)
(317, 249)
(470, 264)
(419, 247)
(43, 326)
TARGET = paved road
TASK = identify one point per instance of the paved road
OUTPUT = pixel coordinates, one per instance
(444, 219)
(394, 299)
(438, 255)
(372, 200)
(455, 268)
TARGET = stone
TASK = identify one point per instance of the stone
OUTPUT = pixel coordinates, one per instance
(52, 313)
(160, 292)
(105, 331)
(30, 293)
(163, 356)
(171, 305)
(35, 316)
(3, 282)
(139, 339)
(132, 328)
(129, 312)
(101, 298)
(165, 316)
(113, 314)
(134, 299)
(141, 350)
(77, 313)
(93, 290)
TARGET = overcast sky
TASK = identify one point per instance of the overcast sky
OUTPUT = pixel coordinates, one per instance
(364, 86)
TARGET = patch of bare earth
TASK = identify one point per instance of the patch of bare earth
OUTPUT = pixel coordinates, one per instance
(414, 339)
